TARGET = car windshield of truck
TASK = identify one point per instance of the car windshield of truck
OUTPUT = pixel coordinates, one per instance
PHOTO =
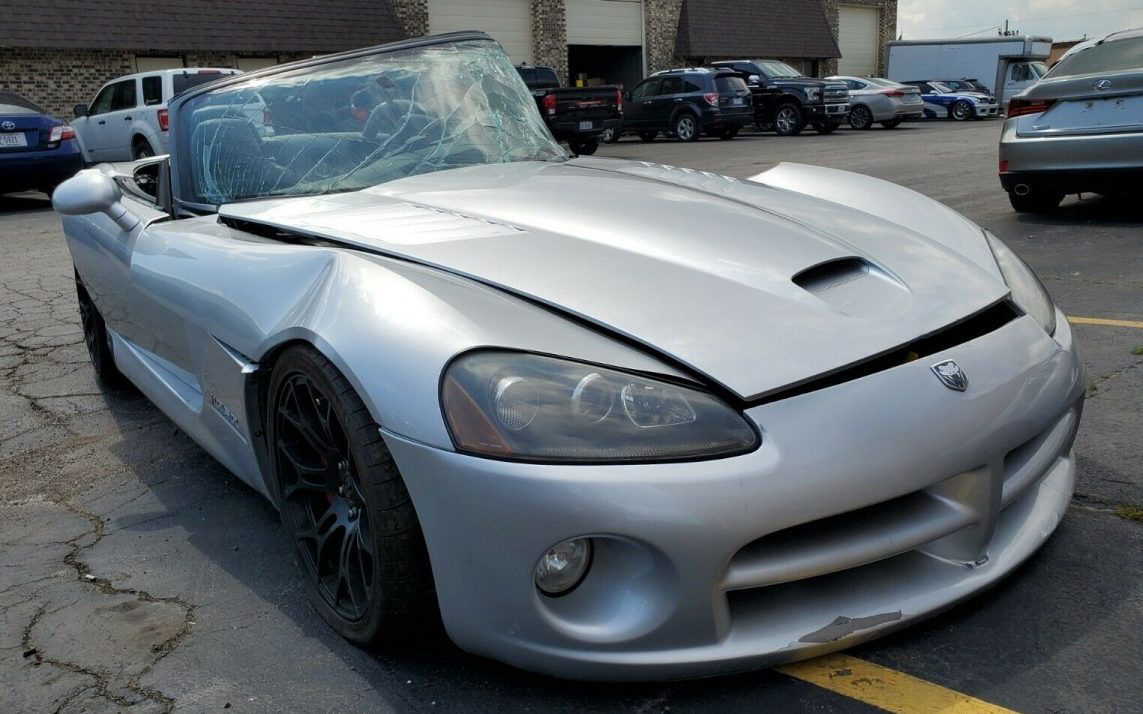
(774, 69)
(347, 124)
(1113, 56)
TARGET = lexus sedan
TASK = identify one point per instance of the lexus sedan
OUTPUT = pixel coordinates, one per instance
(1080, 128)
(37, 151)
(611, 419)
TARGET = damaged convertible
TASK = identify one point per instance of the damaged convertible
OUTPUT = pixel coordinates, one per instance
(613, 419)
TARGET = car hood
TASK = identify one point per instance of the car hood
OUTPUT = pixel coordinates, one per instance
(757, 288)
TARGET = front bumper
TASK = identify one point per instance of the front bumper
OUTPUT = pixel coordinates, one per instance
(986, 110)
(821, 112)
(824, 537)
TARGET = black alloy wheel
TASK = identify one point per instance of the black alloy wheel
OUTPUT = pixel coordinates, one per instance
(97, 341)
(345, 506)
(142, 150)
(686, 127)
(610, 135)
(788, 120)
(961, 110)
(860, 117)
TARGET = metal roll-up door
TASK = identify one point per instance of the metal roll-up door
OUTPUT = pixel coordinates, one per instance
(857, 39)
(508, 21)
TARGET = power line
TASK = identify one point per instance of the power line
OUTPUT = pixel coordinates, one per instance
(1032, 19)
(980, 32)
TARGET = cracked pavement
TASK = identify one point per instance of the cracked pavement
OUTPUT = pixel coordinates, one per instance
(138, 576)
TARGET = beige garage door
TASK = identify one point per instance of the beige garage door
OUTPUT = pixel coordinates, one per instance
(509, 21)
(857, 37)
(604, 22)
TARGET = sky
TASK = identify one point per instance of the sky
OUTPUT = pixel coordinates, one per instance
(1058, 19)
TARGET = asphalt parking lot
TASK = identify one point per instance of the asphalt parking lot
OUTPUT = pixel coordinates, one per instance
(138, 575)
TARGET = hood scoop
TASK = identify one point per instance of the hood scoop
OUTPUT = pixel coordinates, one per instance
(854, 286)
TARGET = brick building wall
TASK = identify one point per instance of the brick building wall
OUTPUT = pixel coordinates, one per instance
(413, 15)
(661, 25)
(550, 35)
(57, 80)
(885, 32)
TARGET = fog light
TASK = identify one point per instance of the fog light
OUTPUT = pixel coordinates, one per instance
(563, 567)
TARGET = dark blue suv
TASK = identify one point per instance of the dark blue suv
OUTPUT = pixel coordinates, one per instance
(685, 103)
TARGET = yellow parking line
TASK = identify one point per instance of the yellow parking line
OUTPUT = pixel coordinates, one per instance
(885, 688)
(1104, 321)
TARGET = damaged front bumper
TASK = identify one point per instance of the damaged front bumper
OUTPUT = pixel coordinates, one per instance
(868, 505)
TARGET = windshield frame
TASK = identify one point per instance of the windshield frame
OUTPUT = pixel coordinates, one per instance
(179, 159)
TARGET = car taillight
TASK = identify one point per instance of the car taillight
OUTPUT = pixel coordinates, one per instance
(550, 103)
(893, 93)
(1003, 166)
(164, 119)
(619, 99)
(59, 133)
(711, 98)
(1019, 107)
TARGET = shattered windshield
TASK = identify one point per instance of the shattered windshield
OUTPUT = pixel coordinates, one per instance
(359, 122)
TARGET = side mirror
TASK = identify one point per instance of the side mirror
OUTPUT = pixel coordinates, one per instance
(92, 191)
(80, 110)
(754, 79)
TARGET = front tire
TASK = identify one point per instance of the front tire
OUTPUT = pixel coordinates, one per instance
(961, 110)
(343, 503)
(686, 128)
(788, 120)
(860, 117)
(584, 147)
(97, 340)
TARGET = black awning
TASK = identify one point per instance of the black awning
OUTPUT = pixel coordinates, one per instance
(750, 29)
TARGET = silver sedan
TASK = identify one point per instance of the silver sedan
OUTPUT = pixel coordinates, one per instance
(875, 100)
(1080, 128)
(614, 419)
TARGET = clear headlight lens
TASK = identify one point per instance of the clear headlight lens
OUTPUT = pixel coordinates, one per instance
(527, 407)
(813, 94)
(1027, 290)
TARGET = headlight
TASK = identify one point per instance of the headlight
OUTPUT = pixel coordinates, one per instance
(1027, 290)
(527, 407)
(813, 93)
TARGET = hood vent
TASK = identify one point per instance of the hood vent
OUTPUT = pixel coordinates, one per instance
(831, 274)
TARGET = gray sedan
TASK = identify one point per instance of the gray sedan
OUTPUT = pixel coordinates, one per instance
(1080, 128)
(875, 100)
(612, 419)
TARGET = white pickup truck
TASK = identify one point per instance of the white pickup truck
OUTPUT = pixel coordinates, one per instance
(127, 120)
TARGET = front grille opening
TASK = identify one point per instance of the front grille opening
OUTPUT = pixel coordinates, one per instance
(980, 324)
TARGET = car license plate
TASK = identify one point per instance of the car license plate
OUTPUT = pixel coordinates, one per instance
(736, 101)
(586, 125)
(14, 139)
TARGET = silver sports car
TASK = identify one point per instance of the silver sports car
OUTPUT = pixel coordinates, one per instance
(615, 420)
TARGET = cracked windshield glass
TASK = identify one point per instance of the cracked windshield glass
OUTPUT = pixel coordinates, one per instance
(360, 122)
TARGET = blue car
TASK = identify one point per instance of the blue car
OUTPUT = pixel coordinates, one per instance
(943, 102)
(37, 151)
